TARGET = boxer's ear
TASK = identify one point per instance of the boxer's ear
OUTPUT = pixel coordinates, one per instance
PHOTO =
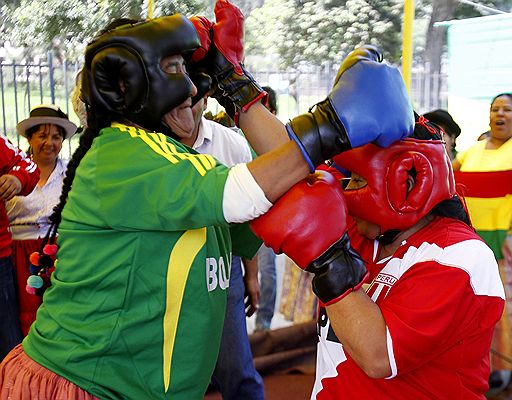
(119, 78)
(410, 181)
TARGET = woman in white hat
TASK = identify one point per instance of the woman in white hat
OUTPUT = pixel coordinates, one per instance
(45, 129)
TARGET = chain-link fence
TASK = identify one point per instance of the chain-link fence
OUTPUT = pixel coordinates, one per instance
(24, 85)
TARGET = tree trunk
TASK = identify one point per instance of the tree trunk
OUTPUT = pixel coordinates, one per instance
(442, 10)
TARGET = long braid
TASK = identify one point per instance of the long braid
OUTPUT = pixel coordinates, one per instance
(94, 124)
(42, 261)
(98, 117)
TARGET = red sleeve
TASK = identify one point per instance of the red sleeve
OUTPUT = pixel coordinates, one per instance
(430, 309)
(13, 161)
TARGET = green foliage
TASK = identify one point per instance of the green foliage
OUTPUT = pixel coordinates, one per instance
(424, 8)
(468, 11)
(66, 26)
(188, 8)
(291, 31)
(323, 31)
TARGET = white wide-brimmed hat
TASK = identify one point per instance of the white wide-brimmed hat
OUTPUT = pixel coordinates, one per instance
(47, 114)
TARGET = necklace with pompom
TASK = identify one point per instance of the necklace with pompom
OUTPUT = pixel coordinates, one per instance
(42, 264)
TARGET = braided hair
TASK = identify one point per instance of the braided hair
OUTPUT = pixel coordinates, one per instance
(95, 122)
(43, 260)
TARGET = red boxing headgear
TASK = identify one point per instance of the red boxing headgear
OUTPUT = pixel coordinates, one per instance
(385, 200)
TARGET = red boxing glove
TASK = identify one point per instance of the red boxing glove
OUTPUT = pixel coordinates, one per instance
(203, 27)
(306, 220)
(199, 76)
(220, 56)
(228, 33)
(308, 224)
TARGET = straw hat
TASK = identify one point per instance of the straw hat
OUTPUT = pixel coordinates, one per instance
(47, 114)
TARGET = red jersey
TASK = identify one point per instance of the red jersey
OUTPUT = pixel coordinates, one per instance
(13, 161)
(440, 294)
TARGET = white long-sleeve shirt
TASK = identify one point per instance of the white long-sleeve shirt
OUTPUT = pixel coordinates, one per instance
(29, 215)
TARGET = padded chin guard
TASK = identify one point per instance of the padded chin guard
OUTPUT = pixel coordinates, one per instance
(131, 54)
(386, 199)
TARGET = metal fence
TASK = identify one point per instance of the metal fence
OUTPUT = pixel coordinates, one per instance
(428, 91)
(24, 85)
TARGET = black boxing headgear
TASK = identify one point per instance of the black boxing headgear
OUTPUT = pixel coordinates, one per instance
(132, 54)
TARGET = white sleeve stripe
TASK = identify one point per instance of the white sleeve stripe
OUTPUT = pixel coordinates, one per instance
(477, 260)
(31, 168)
(472, 256)
(391, 355)
(243, 198)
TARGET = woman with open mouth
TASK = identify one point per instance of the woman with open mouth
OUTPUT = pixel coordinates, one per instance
(485, 169)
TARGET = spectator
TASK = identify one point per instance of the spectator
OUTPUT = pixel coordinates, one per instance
(45, 130)
(444, 120)
(486, 172)
(18, 176)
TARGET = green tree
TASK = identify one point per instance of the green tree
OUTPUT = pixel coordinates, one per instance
(185, 7)
(66, 26)
(323, 31)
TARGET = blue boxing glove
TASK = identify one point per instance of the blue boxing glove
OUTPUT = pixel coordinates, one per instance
(368, 103)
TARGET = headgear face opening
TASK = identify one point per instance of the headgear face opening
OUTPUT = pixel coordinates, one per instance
(132, 54)
(386, 200)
